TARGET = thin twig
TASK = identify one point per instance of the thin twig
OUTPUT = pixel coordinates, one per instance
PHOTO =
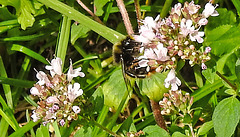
(157, 114)
(125, 17)
(138, 12)
(229, 83)
(89, 11)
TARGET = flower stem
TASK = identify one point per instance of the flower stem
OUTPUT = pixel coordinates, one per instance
(157, 114)
(227, 81)
(125, 17)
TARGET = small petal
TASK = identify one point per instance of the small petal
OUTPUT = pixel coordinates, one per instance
(52, 100)
(172, 80)
(209, 10)
(203, 66)
(76, 109)
(62, 122)
(55, 66)
(72, 73)
(35, 116)
(208, 49)
(74, 91)
(34, 91)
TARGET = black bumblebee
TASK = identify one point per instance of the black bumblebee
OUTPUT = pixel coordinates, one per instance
(126, 53)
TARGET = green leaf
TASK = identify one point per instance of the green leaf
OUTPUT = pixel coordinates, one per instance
(24, 10)
(223, 61)
(209, 74)
(114, 90)
(99, 6)
(126, 125)
(224, 35)
(109, 34)
(225, 17)
(22, 38)
(178, 134)
(21, 131)
(98, 97)
(56, 129)
(42, 131)
(237, 70)
(25, 14)
(205, 128)
(153, 86)
(236, 3)
(84, 132)
(8, 119)
(155, 131)
(206, 89)
(17, 82)
(78, 31)
(230, 91)
(28, 52)
(226, 117)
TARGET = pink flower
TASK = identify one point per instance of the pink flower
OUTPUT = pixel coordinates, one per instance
(76, 109)
(186, 27)
(35, 116)
(208, 49)
(42, 77)
(172, 80)
(158, 53)
(192, 8)
(203, 66)
(62, 122)
(149, 22)
(203, 21)
(197, 36)
(74, 91)
(72, 73)
(209, 10)
(177, 9)
(34, 91)
(52, 100)
(55, 66)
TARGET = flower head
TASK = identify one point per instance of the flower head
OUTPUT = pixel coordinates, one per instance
(72, 73)
(172, 80)
(209, 10)
(74, 91)
(55, 66)
(42, 77)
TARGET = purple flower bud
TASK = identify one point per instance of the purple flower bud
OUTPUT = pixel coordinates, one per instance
(208, 49)
(62, 122)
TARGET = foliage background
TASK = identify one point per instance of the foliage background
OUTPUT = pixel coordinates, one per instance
(32, 30)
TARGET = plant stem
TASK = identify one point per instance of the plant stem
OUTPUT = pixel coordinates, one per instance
(125, 17)
(223, 78)
(89, 11)
(157, 114)
(138, 12)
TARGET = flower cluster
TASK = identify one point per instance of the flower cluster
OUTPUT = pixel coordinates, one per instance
(175, 103)
(57, 95)
(165, 41)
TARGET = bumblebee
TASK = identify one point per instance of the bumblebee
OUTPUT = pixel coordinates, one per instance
(126, 53)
